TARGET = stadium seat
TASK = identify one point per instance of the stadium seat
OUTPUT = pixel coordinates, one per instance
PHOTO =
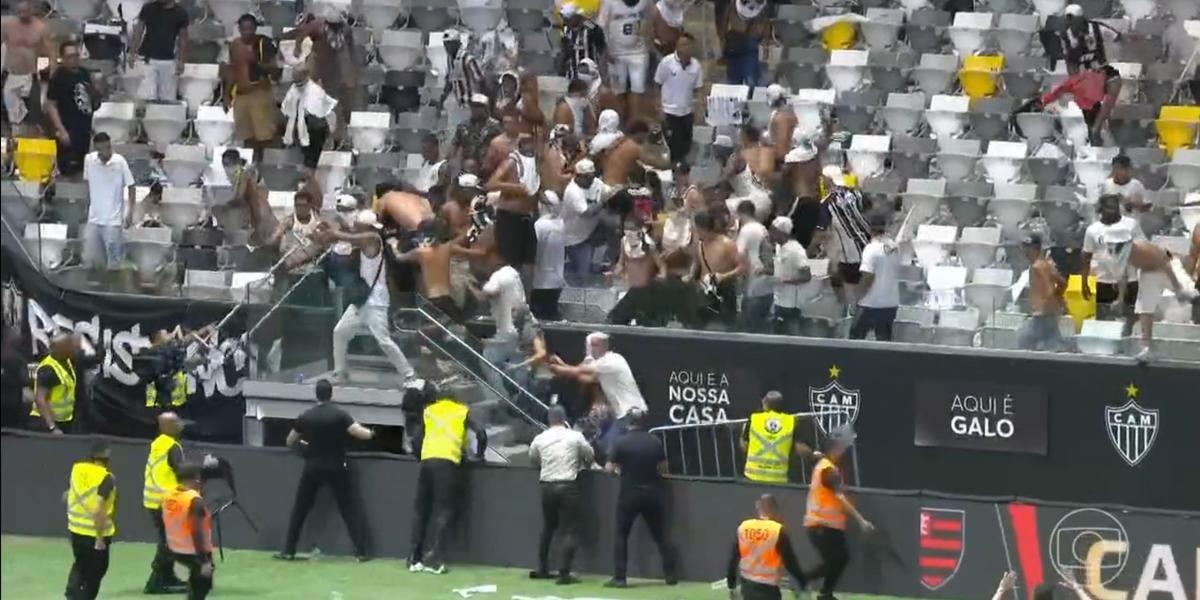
(910, 155)
(841, 35)
(333, 168)
(846, 69)
(921, 198)
(1036, 127)
(282, 203)
(197, 84)
(956, 327)
(867, 155)
(1047, 165)
(882, 27)
(971, 32)
(913, 324)
(70, 205)
(1184, 169)
(903, 112)
(1129, 124)
(925, 30)
(1004, 160)
(164, 123)
(34, 158)
(1022, 76)
(1190, 215)
(1059, 206)
(945, 285)
(278, 14)
(967, 201)
(379, 15)
(1100, 338)
(228, 11)
(184, 164)
(890, 70)
(935, 72)
(140, 159)
(530, 15)
(280, 168)
(987, 290)
(1011, 204)
(990, 118)
(1158, 82)
(1183, 9)
(1131, 73)
(409, 129)
(214, 126)
(803, 67)
(1137, 10)
(369, 130)
(1074, 126)
(432, 15)
(538, 55)
(856, 110)
(947, 115)
(879, 191)
(47, 244)
(1144, 43)
(810, 106)
(1014, 32)
(1093, 165)
(980, 74)
(481, 16)
(1001, 330)
(373, 169)
(181, 208)
(206, 284)
(1049, 7)
(933, 243)
(1149, 166)
(117, 119)
(150, 249)
(976, 246)
(1177, 126)
(401, 49)
(78, 10)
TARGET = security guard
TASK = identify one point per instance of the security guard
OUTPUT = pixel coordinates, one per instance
(761, 553)
(54, 387)
(441, 442)
(825, 516)
(162, 464)
(188, 525)
(91, 504)
(768, 440)
(178, 395)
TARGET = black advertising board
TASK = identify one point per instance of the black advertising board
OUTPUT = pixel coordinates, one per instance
(979, 416)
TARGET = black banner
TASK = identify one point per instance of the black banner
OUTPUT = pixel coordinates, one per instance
(979, 416)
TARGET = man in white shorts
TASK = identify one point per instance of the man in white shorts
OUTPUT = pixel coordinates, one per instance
(160, 44)
(628, 54)
(1156, 274)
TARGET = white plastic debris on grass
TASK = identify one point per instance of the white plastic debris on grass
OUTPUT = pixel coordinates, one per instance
(489, 588)
(518, 597)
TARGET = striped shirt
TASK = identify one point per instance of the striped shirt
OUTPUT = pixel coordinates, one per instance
(841, 215)
(579, 43)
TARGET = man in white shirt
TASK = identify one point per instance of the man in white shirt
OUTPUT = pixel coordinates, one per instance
(610, 370)
(111, 200)
(583, 232)
(1124, 184)
(560, 453)
(506, 295)
(880, 270)
(548, 278)
(758, 294)
(628, 54)
(791, 270)
(1103, 243)
(681, 79)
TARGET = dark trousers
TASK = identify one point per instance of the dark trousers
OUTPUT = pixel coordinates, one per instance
(318, 131)
(543, 303)
(162, 566)
(878, 320)
(646, 503)
(787, 321)
(198, 584)
(83, 582)
(831, 545)
(437, 485)
(70, 159)
(678, 131)
(560, 513)
(753, 590)
(339, 482)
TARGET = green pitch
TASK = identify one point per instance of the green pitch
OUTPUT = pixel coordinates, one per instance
(36, 569)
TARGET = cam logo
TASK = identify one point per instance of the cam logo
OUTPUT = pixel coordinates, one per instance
(773, 426)
(1132, 428)
(942, 540)
(836, 406)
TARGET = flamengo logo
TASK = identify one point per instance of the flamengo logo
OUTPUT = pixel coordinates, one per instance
(120, 346)
(1132, 429)
(839, 404)
(697, 396)
(943, 538)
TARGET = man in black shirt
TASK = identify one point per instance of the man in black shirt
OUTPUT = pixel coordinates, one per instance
(70, 98)
(638, 457)
(322, 433)
(161, 25)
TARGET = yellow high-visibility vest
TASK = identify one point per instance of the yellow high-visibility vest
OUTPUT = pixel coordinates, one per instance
(159, 476)
(83, 498)
(445, 431)
(178, 393)
(62, 396)
(770, 446)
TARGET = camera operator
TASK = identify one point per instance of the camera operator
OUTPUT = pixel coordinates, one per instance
(164, 364)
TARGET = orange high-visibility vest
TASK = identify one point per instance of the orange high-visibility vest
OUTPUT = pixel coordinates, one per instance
(824, 509)
(176, 508)
(758, 547)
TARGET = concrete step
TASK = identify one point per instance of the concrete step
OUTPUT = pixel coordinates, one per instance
(514, 454)
(499, 435)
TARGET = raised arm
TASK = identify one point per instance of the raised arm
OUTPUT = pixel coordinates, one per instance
(499, 180)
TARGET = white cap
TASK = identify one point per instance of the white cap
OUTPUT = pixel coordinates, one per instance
(1074, 10)
(569, 10)
(368, 218)
(723, 141)
(835, 174)
(800, 154)
(775, 92)
(782, 225)
(468, 180)
(347, 202)
(587, 70)
(479, 99)
(450, 35)
(585, 167)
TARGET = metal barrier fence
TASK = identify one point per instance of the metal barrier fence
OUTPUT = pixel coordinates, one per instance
(712, 450)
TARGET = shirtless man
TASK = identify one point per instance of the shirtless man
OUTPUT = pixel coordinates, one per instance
(26, 37)
(664, 25)
(433, 258)
(575, 109)
(333, 61)
(518, 182)
(1156, 273)
(638, 265)
(411, 212)
(747, 170)
(255, 112)
(249, 190)
(782, 123)
(555, 164)
(720, 266)
(504, 144)
(628, 152)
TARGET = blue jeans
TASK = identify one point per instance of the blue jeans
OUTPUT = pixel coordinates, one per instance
(755, 316)
(581, 261)
(104, 246)
(1040, 332)
(505, 354)
(742, 66)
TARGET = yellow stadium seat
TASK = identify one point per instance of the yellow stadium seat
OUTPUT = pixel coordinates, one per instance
(978, 75)
(35, 158)
(1177, 127)
(590, 8)
(840, 36)
(1080, 309)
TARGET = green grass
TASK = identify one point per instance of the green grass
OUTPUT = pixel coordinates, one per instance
(36, 568)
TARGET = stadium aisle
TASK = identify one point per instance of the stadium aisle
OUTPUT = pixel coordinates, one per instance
(35, 568)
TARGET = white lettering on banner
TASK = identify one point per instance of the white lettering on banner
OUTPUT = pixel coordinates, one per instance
(990, 418)
(981, 427)
(1160, 558)
(697, 397)
(120, 347)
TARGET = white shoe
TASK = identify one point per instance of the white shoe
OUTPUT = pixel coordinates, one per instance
(1144, 356)
(416, 567)
(440, 570)
(1186, 295)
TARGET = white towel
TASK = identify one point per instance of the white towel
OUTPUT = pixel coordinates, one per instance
(304, 99)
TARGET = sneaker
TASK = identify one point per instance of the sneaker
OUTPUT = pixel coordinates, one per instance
(540, 575)
(415, 566)
(566, 579)
(283, 556)
(339, 378)
(1144, 356)
(616, 583)
(153, 587)
(438, 570)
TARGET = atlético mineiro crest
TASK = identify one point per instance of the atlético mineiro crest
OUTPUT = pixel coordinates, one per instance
(942, 539)
(1132, 428)
(835, 406)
